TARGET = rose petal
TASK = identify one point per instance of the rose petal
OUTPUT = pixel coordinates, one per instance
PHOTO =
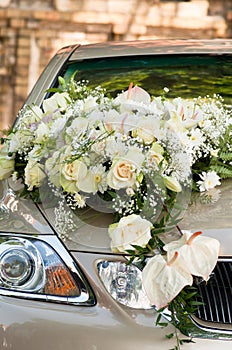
(130, 230)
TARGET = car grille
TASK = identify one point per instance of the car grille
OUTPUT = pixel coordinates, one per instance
(216, 295)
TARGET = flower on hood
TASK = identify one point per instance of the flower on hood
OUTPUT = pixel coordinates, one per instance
(164, 279)
(6, 164)
(130, 230)
(208, 181)
(198, 254)
(34, 174)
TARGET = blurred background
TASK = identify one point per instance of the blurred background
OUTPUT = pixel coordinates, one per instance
(31, 31)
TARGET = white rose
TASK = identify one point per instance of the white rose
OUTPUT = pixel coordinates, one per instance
(78, 126)
(124, 171)
(52, 167)
(56, 101)
(41, 132)
(6, 164)
(145, 129)
(122, 175)
(90, 104)
(72, 174)
(20, 139)
(74, 171)
(155, 155)
(130, 230)
(34, 174)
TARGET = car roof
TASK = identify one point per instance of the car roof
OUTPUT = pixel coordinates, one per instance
(152, 47)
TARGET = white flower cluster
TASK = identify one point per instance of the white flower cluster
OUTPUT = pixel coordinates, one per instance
(114, 147)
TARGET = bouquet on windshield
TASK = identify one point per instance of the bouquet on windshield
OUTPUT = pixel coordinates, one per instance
(136, 156)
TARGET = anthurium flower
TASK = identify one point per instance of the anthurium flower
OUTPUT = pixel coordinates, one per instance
(198, 254)
(134, 93)
(164, 279)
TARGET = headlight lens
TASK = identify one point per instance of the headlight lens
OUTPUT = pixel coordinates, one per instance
(31, 268)
(16, 267)
(21, 265)
(124, 283)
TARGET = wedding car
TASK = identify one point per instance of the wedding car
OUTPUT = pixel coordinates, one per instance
(116, 201)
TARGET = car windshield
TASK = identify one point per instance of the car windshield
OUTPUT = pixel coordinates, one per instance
(187, 76)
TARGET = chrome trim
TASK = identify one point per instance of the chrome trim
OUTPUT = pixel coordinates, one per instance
(212, 327)
(86, 297)
(209, 329)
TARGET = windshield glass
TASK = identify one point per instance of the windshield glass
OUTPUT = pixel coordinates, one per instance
(184, 75)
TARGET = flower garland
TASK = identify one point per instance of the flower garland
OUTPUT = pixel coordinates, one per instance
(137, 154)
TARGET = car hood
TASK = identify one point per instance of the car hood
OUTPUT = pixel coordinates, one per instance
(89, 231)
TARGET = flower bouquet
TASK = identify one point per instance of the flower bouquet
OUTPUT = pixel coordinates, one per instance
(136, 157)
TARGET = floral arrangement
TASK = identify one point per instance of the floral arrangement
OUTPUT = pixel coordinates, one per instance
(137, 155)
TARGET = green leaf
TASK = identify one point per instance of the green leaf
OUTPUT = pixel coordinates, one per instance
(170, 336)
(162, 324)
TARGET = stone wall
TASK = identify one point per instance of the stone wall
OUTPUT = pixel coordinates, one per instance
(31, 32)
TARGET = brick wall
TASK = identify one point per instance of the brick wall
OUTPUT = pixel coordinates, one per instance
(31, 32)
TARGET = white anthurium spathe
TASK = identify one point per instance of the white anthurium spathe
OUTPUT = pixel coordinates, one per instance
(187, 111)
(164, 279)
(118, 122)
(175, 124)
(130, 230)
(136, 94)
(135, 98)
(198, 253)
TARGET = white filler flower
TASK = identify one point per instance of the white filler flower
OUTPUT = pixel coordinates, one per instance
(208, 180)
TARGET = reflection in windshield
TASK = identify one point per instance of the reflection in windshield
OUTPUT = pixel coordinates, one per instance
(185, 75)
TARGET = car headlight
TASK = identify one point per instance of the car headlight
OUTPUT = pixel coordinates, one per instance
(31, 268)
(124, 283)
